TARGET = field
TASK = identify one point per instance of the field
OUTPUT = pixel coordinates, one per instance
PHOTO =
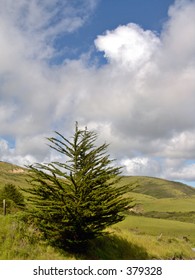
(160, 226)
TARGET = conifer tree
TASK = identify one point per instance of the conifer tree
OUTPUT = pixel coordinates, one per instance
(11, 192)
(14, 198)
(76, 200)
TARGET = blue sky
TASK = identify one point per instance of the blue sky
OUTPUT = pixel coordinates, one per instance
(108, 15)
(122, 68)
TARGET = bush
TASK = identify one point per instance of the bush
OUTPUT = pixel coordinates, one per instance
(14, 198)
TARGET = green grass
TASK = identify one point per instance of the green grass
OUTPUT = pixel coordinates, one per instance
(21, 242)
(8, 175)
(137, 237)
(158, 188)
(185, 204)
(159, 248)
(115, 247)
(188, 217)
(156, 227)
(124, 241)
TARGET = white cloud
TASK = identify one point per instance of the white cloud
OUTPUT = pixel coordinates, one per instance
(142, 166)
(172, 169)
(128, 45)
(180, 51)
(3, 146)
(141, 101)
(185, 172)
(181, 146)
(39, 23)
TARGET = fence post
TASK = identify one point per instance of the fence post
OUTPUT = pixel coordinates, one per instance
(4, 207)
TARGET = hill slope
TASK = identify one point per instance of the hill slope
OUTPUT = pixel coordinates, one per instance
(151, 228)
(147, 186)
(158, 188)
(12, 174)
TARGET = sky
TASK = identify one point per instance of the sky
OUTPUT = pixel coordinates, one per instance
(125, 69)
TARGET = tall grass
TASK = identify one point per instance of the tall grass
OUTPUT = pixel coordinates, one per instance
(159, 247)
(135, 238)
(155, 227)
(115, 247)
(21, 242)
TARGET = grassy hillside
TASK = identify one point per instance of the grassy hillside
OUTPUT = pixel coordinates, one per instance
(150, 194)
(131, 239)
(148, 186)
(162, 239)
(158, 188)
(12, 174)
(161, 225)
(185, 204)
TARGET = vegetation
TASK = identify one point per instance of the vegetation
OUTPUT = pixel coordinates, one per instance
(21, 241)
(13, 197)
(159, 188)
(75, 201)
(12, 174)
(158, 227)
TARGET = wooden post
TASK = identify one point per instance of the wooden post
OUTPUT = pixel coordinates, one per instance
(4, 207)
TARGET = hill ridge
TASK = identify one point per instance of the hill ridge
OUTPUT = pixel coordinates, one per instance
(146, 185)
(159, 187)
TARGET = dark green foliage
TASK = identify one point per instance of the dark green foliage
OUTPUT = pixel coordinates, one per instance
(76, 200)
(14, 198)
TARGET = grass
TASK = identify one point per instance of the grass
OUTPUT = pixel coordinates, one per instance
(115, 247)
(161, 239)
(158, 188)
(157, 236)
(158, 248)
(7, 175)
(156, 227)
(123, 242)
(21, 242)
(188, 217)
(186, 204)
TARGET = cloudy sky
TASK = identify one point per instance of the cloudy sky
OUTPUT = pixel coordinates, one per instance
(123, 68)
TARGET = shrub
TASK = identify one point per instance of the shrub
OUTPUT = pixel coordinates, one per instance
(14, 198)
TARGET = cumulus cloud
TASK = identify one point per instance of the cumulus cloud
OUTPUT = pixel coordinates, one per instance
(149, 93)
(141, 101)
(128, 45)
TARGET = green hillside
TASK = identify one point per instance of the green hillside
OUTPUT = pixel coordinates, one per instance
(159, 188)
(148, 186)
(160, 226)
(12, 174)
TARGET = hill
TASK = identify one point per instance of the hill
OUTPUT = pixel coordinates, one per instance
(161, 226)
(150, 194)
(12, 174)
(158, 188)
(148, 187)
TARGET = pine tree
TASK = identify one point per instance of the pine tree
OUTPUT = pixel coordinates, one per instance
(75, 201)
(14, 198)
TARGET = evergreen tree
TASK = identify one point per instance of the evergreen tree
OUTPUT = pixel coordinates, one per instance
(75, 201)
(14, 198)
